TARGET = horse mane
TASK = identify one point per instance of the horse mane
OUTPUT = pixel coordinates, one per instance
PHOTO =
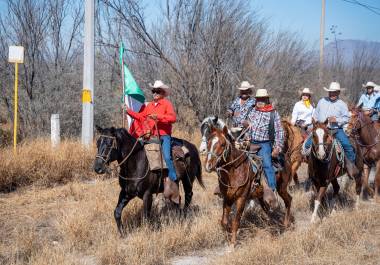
(216, 122)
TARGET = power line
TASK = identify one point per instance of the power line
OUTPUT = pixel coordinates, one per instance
(368, 7)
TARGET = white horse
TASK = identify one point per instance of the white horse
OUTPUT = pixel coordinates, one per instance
(206, 125)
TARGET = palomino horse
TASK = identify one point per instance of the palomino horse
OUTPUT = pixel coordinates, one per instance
(135, 176)
(326, 164)
(293, 147)
(237, 176)
(367, 136)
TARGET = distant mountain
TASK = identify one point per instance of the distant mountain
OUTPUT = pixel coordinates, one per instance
(347, 48)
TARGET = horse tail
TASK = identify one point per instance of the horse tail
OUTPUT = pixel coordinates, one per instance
(196, 162)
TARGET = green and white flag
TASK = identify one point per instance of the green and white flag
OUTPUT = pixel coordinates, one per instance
(133, 96)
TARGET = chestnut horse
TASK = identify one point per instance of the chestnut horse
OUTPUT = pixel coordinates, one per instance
(237, 176)
(293, 145)
(367, 135)
(326, 164)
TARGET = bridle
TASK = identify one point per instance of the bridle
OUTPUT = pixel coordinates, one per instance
(328, 151)
(106, 157)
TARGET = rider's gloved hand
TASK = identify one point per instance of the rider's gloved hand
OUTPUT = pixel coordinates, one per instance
(276, 152)
(245, 123)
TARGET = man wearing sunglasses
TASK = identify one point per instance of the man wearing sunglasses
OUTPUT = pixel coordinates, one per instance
(159, 115)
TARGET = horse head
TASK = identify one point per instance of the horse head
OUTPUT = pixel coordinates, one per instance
(360, 118)
(218, 148)
(107, 146)
(206, 128)
(321, 140)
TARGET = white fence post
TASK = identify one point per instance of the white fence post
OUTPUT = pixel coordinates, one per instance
(55, 130)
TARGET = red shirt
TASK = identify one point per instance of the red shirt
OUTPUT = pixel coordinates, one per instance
(165, 117)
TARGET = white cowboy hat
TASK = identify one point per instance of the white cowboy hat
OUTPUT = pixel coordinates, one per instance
(161, 85)
(245, 85)
(369, 84)
(377, 88)
(334, 86)
(262, 93)
(306, 90)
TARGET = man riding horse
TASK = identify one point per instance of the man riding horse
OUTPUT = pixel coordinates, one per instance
(158, 117)
(335, 112)
(267, 132)
(368, 100)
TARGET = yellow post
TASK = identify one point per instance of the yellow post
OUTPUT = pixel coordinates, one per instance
(16, 109)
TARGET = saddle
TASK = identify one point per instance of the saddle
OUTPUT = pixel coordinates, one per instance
(152, 150)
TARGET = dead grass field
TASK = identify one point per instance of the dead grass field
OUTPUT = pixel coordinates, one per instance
(73, 223)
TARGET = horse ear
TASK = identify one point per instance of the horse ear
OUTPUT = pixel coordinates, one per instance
(360, 107)
(326, 122)
(313, 122)
(215, 120)
(98, 128)
(225, 130)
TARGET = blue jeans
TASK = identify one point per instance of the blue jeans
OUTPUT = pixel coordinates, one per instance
(265, 153)
(166, 141)
(344, 141)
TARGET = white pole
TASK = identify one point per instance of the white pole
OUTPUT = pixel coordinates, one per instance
(321, 40)
(55, 130)
(88, 74)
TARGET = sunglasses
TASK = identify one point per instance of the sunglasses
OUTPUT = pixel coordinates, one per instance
(156, 91)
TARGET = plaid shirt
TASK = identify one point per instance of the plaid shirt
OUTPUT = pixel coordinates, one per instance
(240, 111)
(260, 127)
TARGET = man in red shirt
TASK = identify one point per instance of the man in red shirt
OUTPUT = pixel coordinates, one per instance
(161, 111)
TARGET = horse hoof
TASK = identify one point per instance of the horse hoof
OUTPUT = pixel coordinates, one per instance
(231, 248)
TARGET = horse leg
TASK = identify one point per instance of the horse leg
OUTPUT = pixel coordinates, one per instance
(188, 188)
(377, 181)
(147, 201)
(366, 190)
(336, 189)
(240, 203)
(294, 176)
(358, 189)
(124, 198)
(283, 192)
(317, 202)
(226, 214)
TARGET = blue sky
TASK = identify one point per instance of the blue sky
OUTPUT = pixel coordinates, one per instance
(303, 17)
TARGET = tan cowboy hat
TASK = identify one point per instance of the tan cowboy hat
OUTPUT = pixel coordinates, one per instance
(161, 85)
(369, 84)
(306, 90)
(334, 86)
(262, 93)
(245, 85)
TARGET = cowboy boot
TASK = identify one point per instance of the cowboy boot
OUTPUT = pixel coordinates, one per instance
(269, 196)
(217, 191)
(171, 191)
(351, 168)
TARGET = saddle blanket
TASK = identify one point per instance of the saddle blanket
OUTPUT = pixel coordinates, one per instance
(152, 151)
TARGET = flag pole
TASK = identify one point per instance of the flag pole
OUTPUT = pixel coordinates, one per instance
(123, 88)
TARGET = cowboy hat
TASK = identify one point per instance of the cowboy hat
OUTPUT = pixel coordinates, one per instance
(377, 88)
(262, 93)
(369, 84)
(161, 85)
(334, 86)
(306, 90)
(245, 85)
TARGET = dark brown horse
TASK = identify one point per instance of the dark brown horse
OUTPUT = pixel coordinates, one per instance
(135, 177)
(237, 176)
(326, 164)
(293, 146)
(366, 132)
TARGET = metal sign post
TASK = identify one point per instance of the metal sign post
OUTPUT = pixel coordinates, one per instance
(16, 56)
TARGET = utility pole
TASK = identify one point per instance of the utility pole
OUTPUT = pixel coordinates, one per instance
(321, 41)
(88, 74)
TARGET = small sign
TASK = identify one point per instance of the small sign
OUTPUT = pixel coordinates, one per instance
(86, 96)
(16, 54)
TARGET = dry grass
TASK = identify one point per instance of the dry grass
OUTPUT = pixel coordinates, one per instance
(36, 162)
(73, 223)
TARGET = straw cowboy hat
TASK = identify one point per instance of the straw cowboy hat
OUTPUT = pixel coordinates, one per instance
(159, 84)
(306, 90)
(369, 84)
(334, 86)
(262, 93)
(245, 85)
